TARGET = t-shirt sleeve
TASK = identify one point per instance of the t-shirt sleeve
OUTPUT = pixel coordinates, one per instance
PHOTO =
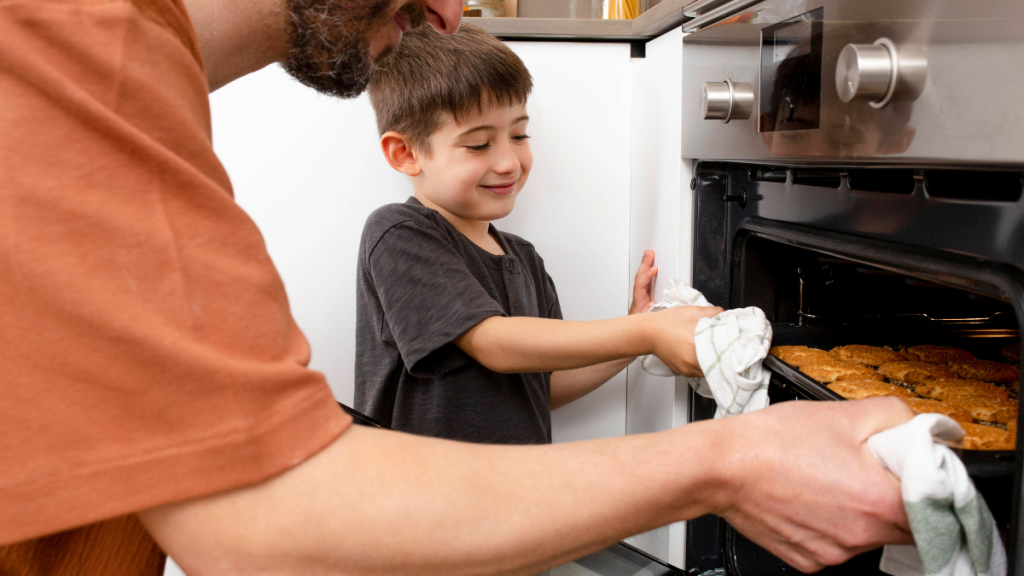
(149, 354)
(429, 297)
(554, 310)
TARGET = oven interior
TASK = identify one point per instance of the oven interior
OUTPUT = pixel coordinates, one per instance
(825, 286)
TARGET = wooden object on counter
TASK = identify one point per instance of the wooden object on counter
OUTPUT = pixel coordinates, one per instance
(511, 8)
(623, 9)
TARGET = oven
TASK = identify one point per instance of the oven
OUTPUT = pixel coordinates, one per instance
(858, 172)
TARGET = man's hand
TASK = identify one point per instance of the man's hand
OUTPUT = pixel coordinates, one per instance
(671, 334)
(642, 284)
(802, 483)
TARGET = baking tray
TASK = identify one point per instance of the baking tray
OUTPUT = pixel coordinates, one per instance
(981, 463)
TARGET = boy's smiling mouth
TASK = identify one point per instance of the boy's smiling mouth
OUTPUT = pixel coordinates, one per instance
(501, 189)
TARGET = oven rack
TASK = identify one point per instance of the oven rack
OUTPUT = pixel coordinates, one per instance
(913, 320)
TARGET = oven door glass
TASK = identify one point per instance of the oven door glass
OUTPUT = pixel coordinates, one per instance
(618, 560)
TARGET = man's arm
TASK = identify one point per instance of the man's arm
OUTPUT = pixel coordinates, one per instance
(523, 344)
(571, 385)
(378, 502)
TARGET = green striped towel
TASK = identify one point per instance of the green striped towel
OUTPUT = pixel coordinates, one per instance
(953, 529)
(730, 349)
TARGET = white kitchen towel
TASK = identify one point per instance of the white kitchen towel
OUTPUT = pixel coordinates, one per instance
(730, 349)
(952, 525)
(677, 294)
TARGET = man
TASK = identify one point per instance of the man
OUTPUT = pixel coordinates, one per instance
(155, 385)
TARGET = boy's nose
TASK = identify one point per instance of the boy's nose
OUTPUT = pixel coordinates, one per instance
(507, 162)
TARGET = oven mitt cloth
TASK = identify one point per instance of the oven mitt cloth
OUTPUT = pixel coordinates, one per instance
(730, 349)
(952, 526)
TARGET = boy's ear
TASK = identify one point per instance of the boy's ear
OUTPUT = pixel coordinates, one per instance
(400, 154)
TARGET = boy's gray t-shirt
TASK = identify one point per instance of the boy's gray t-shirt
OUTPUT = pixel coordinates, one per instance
(421, 284)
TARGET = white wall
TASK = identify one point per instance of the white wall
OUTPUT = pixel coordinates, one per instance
(308, 170)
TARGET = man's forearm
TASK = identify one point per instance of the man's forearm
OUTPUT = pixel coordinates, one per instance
(380, 502)
(522, 344)
(570, 385)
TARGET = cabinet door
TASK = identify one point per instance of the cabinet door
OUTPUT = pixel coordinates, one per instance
(575, 207)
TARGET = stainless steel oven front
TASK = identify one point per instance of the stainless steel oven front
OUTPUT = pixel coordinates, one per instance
(858, 175)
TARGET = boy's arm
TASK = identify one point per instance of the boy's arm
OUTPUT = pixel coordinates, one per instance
(570, 385)
(523, 344)
(380, 502)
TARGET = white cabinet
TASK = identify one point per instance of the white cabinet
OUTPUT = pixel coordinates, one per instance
(660, 219)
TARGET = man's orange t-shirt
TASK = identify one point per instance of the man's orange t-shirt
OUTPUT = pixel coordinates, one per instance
(147, 348)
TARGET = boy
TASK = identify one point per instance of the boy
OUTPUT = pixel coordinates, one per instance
(459, 331)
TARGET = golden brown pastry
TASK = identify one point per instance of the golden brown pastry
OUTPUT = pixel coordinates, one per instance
(915, 372)
(925, 406)
(985, 370)
(870, 355)
(987, 409)
(1012, 352)
(981, 437)
(839, 370)
(947, 389)
(800, 355)
(936, 354)
(1012, 426)
(857, 389)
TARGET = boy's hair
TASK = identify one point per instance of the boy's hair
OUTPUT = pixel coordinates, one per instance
(431, 76)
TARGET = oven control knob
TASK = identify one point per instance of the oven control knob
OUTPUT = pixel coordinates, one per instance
(880, 71)
(727, 100)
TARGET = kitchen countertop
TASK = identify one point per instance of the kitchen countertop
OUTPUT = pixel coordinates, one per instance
(660, 19)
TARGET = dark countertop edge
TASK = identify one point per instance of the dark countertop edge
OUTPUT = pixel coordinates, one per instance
(664, 17)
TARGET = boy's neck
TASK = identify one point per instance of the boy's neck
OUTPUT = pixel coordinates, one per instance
(478, 231)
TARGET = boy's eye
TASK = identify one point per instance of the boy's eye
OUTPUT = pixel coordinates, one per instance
(479, 147)
(521, 137)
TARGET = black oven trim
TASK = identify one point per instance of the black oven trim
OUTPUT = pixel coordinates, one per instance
(939, 266)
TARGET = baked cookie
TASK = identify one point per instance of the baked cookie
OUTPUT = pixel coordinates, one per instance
(925, 406)
(1012, 426)
(857, 389)
(948, 389)
(986, 409)
(981, 437)
(839, 370)
(1012, 352)
(800, 355)
(936, 354)
(985, 370)
(870, 355)
(915, 372)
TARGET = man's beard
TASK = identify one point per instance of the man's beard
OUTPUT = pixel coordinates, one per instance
(330, 41)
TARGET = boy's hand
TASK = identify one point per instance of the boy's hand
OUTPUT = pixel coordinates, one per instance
(642, 283)
(670, 334)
